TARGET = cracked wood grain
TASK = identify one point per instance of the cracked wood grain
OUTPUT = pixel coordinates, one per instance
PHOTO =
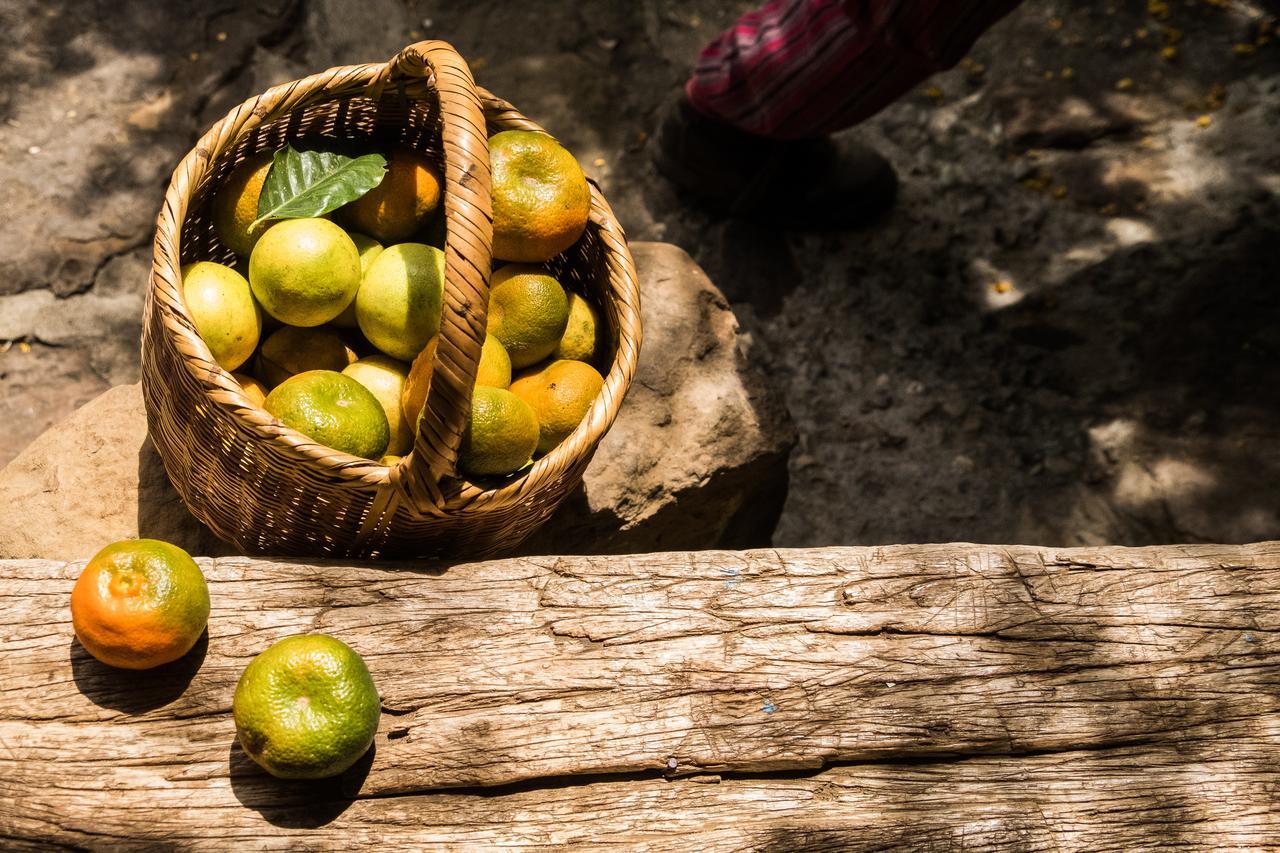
(1148, 671)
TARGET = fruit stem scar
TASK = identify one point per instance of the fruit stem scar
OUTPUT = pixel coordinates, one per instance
(125, 583)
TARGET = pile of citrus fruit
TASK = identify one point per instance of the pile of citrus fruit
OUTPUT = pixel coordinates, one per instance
(305, 708)
(340, 288)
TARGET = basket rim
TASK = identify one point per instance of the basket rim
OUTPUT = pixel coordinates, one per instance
(225, 392)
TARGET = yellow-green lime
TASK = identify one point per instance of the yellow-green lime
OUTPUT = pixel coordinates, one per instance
(369, 249)
(333, 410)
(291, 349)
(495, 364)
(579, 340)
(385, 378)
(304, 271)
(502, 434)
(560, 395)
(222, 308)
(306, 708)
(400, 300)
(528, 312)
(235, 207)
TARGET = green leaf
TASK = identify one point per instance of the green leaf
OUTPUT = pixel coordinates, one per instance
(312, 183)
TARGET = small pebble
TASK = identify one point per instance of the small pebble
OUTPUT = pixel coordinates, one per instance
(34, 149)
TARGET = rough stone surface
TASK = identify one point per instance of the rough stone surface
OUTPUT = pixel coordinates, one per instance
(1083, 247)
(91, 480)
(696, 459)
(698, 453)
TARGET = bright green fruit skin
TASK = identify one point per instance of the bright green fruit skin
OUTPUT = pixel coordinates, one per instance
(400, 300)
(333, 410)
(225, 314)
(501, 435)
(306, 708)
(304, 271)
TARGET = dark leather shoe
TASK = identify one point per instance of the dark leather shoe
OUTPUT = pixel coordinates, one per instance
(828, 183)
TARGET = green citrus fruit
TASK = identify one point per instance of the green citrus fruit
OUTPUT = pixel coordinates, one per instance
(560, 395)
(528, 312)
(306, 708)
(139, 603)
(501, 435)
(291, 350)
(222, 308)
(385, 378)
(235, 207)
(408, 194)
(495, 364)
(540, 196)
(400, 300)
(369, 249)
(580, 339)
(304, 271)
(333, 410)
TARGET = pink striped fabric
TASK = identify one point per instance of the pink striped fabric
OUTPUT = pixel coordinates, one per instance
(801, 68)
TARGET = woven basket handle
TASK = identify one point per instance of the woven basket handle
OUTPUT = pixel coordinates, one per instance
(467, 251)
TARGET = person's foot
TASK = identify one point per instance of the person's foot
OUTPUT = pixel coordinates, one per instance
(814, 184)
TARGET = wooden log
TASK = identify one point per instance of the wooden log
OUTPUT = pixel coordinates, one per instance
(968, 696)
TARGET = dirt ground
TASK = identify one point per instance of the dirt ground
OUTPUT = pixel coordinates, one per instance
(1067, 331)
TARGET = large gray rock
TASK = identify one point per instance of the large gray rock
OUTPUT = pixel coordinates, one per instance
(696, 459)
(698, 455)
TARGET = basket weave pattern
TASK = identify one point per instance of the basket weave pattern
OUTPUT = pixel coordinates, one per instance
(269, 489)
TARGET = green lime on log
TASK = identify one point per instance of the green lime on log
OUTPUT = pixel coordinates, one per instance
(306, 708)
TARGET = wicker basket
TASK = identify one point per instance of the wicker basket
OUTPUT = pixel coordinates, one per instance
(269, 489)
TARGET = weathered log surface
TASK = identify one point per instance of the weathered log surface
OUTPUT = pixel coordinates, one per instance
(967, 697)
